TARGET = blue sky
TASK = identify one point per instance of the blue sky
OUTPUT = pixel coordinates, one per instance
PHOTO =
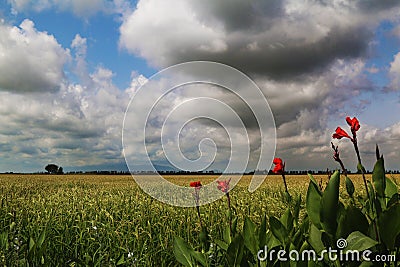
(70, 68)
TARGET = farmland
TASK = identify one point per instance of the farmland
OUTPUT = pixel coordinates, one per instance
(74, 220)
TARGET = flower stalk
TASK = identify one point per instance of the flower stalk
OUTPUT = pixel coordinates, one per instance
(280, 169)
(196, 194)
(224, 187)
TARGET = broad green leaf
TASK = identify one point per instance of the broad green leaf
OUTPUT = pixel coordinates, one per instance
(272, 241)
(391, 188)
(234, 225)
(358, 241)
(235, 251)
(352, 220)
(262, 232)
(41, 238)
(361, 168)
(313, 203)
(349, 186)
(330, 203)
(221, 244)
(278, 230)
(249, 236)
(378, 178)
(31, 244)
(199, 257)
(313, 180)
(389, 226)
(227, 234)
(393, 200)
(182, 251)
(287, 220)
(315, 239)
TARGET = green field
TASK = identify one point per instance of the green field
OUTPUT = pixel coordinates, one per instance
(83, 220)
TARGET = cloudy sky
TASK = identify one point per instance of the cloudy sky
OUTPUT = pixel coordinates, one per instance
(69, 68)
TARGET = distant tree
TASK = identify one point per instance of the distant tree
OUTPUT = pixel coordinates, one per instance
(60, 170)
(51, 168)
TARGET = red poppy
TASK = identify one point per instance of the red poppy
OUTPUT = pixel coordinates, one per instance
(339, 133)
(195, 184)
(224, 185)
(279, 166)
(353, 123)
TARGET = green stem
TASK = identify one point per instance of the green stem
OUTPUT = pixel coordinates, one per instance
(360, 164)
(365, 183)
(198, 214)
(284, 182)
(230, 212)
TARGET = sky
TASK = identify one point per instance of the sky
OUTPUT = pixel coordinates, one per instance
(68, 70)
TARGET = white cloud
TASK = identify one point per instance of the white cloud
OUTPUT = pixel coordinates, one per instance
(30, 60)
(394, 73)
(308, 57)
(279, 38)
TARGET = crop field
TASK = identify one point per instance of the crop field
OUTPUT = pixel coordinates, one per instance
(83, 220)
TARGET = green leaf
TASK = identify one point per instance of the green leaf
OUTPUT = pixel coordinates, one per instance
(391, 188)
(262, 233)
(358, 241)
(393, 200)
(315, 239)
(272, 241)
(389, 226)
(313, 180)
(203, 237)
(249, 235)
(182, 251)
(296, 211)
(227, 234)
(313, 203)
(235, 251)
(287, 220)
(361, 168)
(221, 244)
(349, 186)
(330, 203)
(278, 230)
(378, 177)
(352, 219)
(121, 260)
(41, 238)
(31, 244)
(199, 257)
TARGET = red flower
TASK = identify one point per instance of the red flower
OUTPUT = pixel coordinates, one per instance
(279, 166)
(195, 184)
(224, 185)
(339, 133)
(353, 123)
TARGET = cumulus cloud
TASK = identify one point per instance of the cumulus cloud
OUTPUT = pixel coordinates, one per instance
(77, 126)
(30, 60)
(308, 57)
(394, 73)
(275, 38)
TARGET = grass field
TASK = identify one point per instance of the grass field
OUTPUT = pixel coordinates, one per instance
(75, 220)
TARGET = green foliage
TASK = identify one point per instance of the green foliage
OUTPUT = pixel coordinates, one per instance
(372, 223)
